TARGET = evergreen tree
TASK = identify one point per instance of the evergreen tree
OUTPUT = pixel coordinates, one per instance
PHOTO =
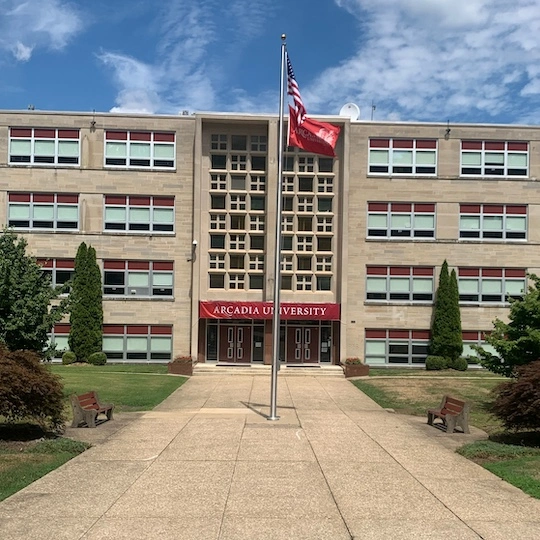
(446, 338)
(517, 342)
(26, 316)
(86, 301)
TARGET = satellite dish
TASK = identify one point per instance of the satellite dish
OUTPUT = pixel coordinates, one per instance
(351, 110)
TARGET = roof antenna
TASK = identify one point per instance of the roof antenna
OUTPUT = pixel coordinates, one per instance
(373, 107)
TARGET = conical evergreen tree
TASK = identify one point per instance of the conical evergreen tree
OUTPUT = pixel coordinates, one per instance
(86, 318)
(446, 338)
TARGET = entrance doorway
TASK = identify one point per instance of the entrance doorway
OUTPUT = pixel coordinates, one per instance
(302, 345)
(235, 344)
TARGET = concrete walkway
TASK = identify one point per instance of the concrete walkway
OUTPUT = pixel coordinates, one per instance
(207, 465)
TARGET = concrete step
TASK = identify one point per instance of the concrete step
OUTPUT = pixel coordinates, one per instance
(202, 369)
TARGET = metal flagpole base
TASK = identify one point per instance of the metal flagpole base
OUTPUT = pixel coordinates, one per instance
(273, 418)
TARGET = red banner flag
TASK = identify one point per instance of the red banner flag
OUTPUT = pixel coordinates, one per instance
(312, 136)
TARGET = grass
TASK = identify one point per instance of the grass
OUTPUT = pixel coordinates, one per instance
(421, 372)
(129, 387)
(24, 457)
(513, 457)
(21, 463)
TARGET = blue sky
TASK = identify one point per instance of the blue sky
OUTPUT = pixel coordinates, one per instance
(426, 60)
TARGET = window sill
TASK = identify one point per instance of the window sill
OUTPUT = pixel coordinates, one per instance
(405, 303)
(139, 298)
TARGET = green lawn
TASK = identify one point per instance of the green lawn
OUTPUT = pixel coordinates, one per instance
(129, 387)
(517, 463)
(24, 458)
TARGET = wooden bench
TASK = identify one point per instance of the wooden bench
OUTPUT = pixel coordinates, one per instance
(453, 412)
(87, 407)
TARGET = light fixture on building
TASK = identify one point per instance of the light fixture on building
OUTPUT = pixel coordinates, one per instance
(193, 250)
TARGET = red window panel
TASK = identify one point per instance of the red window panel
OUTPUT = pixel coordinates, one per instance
(493, 208)
(116, 135)
(43, 198)
(469, 272)
(377, 207)
(137, 329)
(20, 197)
(20, 132)
(469, 208)
(398, 334)
(44, 133)
(140, 136)
(116, 329)
(376, 270)
(469, 335)
(422, 271)
(403, 143)
(429, 144)
(68, 133)
(375, 334)
(62, 328)
(163, 266)
(515, 272)
(164, 137)
(163, 201)
(401, 207)
(471, 145)
(379, 143)
(518, 146)
(400, 271)
(138, 265)
(516, 209)
(67, 199)
(161, 330)
(45, 263)
(492, 272)
(423, 207)
(494, 145)
(139, 201)
(115, 199)
(114, 265)
(420, 334)
(65, 263)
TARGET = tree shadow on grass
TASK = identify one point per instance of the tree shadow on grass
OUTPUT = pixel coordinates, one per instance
(23, 432)
(519, 438)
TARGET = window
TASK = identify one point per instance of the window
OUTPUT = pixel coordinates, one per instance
(236, 281)
(258, 143)
(48, 211)
(324, 243)
(286, 263)
(399, 283)
(494, 158)
(324, 283)
(60, 271)
(486, 285)
(303, 283)
(493, 222)
(474, 337)
(218, 142)
(324, 264)
(258, 182)
(237, 262)
(256, 262)
(217, 221)
(138, 278)
(137, 343)
(403, 156)
(136, 149)
(139, 214)
(387, 347)
(217, 281)
(217, 261)
(256, 223)
(256, 242)
(218, 181)
(401, 220)
(256, 281)
(324, 224)
(59, 338)
(238, 222)
(217, 241)
(237, 241)
(38, 146)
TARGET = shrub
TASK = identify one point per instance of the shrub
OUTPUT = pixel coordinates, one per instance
(517, 402)
(68, 358)
(182, 359)
(460, 364)
(29, 390)
(436, 363)
(353, 360)
(98, 359)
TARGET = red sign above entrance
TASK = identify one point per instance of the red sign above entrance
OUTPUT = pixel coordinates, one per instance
(264, 310)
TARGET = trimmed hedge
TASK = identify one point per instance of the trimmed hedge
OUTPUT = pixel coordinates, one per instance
(97, 358)
(69, 358)
(436, 363)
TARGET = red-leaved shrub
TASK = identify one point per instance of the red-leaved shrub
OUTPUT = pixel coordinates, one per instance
(517, 402)
(28, 390)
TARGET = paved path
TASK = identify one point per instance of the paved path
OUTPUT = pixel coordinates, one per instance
(207, 465)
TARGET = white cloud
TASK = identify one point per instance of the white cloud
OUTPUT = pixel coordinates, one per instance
(198, 39)
(436, 59)
(33, 24)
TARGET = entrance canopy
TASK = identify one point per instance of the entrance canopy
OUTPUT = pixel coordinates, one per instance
(264, 310)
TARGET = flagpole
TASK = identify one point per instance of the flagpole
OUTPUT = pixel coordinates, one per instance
(277, 256)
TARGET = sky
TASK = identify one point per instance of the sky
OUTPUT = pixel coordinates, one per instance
(472, 61)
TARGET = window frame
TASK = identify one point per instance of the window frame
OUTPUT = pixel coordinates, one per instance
(483, 276)
(409, 273)
(488, 170)
(484, 211)
(131, 138)
(140, 331)
(413, 210)
(396, 337)
(393, 146)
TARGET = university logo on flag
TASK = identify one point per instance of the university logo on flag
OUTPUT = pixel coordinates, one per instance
(304, 132)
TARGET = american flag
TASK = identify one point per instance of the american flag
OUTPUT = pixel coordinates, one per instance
(294, 91)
